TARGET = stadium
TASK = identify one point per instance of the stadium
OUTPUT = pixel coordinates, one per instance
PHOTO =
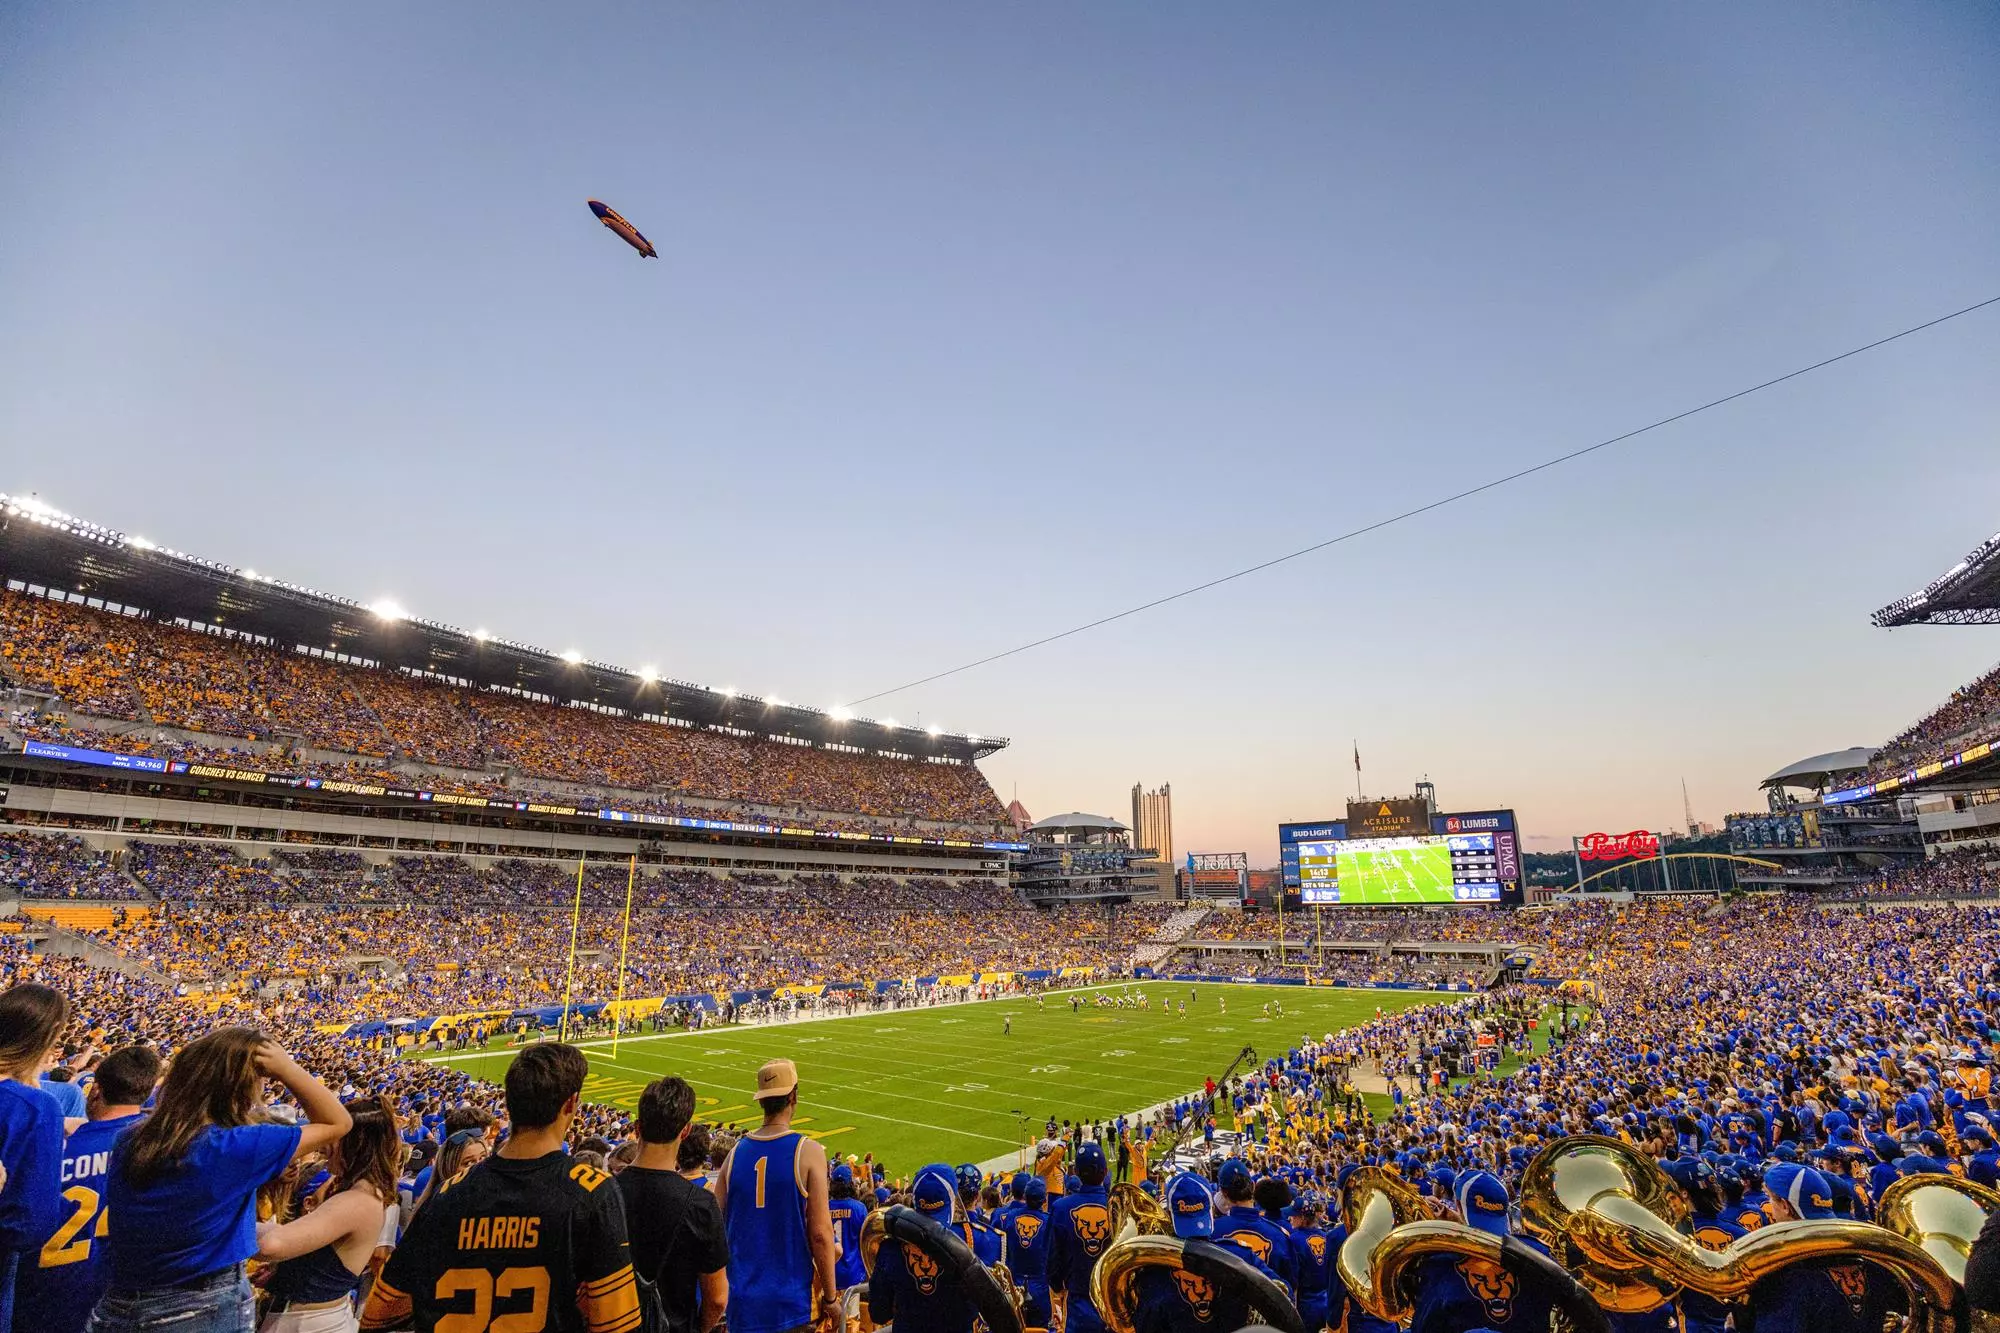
(411, 854)
(1443, 474)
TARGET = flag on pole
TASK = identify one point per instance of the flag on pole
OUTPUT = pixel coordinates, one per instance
(1357, 756)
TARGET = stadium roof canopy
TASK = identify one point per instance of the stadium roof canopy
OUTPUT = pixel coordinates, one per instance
(1966, 594)
(1076, 821)
(1808, 772)
(43, 547)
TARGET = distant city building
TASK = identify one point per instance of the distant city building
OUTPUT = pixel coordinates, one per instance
(1153, 820)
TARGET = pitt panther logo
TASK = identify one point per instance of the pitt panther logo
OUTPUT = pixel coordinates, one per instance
(923, 1269)
(1092, 1223)
(1316, 1246)
(1198, 1293)
(1712, 1238)
(1491, 1284)
(1852, 1283)
(1259, 1245)
(1026, 1227)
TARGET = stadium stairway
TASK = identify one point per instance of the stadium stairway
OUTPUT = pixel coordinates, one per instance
(84, 916)
(146, 894)
(1169, 934)
(61, 937)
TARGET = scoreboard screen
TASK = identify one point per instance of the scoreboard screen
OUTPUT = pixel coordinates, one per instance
(1400, 871)
(1471, 858)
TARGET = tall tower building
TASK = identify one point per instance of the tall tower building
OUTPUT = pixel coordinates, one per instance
(1153, 820)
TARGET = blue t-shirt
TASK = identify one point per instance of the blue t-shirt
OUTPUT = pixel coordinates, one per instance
(848, 1215)
(199, 1217)
(57, 1286)
(69, 1096)
(31, 1144)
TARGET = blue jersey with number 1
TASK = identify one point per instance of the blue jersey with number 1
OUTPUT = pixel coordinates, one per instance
(57, 1285)
(770, 1263)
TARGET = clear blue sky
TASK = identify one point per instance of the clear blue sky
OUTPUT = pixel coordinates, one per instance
(975, 321)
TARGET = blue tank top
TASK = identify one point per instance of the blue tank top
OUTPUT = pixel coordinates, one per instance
(312, 1278)
(770, 1264)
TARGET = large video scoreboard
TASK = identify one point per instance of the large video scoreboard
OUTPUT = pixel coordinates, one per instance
(1463, 858)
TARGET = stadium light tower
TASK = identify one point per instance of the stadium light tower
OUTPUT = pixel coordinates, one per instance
(480, 636)
(389, 609)
(649, 674)
(573, 657)
(839, 714)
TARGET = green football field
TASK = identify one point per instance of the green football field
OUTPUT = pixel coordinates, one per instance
(945, 1084)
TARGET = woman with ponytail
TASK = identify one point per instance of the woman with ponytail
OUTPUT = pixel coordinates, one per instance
(323, 1257)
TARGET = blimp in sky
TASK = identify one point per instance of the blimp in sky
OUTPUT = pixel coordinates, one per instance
(625, 230)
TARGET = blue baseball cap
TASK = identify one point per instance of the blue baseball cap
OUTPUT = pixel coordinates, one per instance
(1917, 1164)
(841, 1173)
(1089, 1162)
(1802, 1187)
(1235, 1174)
(934, 1192)
(1689, 1173)
(1018, 1186)
(883, 1194)
(1482, 1202)
(1036, 1191)
(1191, 1206)
(969, 1178)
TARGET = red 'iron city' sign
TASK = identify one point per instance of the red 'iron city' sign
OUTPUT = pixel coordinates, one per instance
(1617, 846)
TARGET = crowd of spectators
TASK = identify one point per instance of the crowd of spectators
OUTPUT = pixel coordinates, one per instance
(1392, 925)
(1971, 714)
(214, 872)
(354, 964)
(57, 866)
(189, 871)
(291, 761)
(1860, 1042)
(129, 669)
(1752, 1035)
(1972, 873)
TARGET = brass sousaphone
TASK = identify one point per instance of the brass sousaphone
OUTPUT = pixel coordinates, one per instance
(1618, 1221)
(1390, 1231)
(990, 1289)
(1114, 1282)
(1942, 1214)
(1137, 1213)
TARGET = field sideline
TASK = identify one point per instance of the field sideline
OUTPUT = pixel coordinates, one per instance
(944, 1084)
